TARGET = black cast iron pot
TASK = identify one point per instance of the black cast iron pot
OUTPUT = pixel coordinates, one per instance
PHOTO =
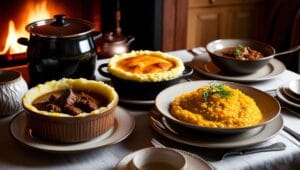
(60, 48)
(134, 90)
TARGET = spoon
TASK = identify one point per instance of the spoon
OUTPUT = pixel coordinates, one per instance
(294, 87)
(292, 50)
(278, 146)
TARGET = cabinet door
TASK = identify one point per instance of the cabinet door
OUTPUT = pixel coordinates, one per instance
(242, 22)
(204, 25)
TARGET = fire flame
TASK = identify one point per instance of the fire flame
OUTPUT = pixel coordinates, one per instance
(35, 12)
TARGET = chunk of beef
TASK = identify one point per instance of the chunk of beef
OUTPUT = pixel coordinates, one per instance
(67, 98)
(53, 98)
(70, 102)
(85, 96)
(72, 110)
(86, 102)
(41, 106)
(53, 108)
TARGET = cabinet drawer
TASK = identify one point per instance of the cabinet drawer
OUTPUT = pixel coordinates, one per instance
(209, 3)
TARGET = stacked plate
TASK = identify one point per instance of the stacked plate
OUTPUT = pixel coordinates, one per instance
(289, 93)
(167, 125)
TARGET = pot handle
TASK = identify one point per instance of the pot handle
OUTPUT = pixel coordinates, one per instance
(23, 41)
(187, 71)
(96, 35)
(102, 72)
(130, 39)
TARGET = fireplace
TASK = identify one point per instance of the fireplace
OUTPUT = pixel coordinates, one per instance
(16, 14)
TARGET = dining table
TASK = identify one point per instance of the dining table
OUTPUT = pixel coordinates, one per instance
(15, 155)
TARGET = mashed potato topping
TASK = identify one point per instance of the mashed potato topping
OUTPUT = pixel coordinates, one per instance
(145, 66)
(216, 106)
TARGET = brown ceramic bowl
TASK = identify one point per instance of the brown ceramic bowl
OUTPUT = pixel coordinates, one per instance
(234, 66)
(64, 128)
(268, 105)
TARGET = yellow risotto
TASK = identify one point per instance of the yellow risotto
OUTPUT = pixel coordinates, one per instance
(216, 106)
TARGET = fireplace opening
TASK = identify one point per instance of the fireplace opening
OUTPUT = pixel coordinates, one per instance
(141, 19)
(16, 14)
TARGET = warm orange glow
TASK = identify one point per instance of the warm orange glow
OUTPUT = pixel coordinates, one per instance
(11, 45)
(33, 12)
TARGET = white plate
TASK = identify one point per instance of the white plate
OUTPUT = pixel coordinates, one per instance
(206, 140)
(270, 110)
(193, 162)
(273, 69)
(280, 94)
(124, 124)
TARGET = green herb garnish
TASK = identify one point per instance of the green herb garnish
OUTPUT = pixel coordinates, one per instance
(238, 50)
(215, 89)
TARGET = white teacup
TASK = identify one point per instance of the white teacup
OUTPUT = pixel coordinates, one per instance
(158, 159)
(12, 89)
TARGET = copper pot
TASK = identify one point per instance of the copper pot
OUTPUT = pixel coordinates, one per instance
(112, 43)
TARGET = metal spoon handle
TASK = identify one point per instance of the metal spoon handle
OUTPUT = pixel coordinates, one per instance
(292, 50)
(274, 147)
(278, 146)
(292, 132)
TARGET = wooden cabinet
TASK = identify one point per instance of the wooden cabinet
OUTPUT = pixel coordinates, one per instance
(234, 19)
(242, 22)
(205, 25)
(197, 22)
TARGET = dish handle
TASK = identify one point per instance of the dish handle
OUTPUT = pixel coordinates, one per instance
(104, 72)
(187, 71)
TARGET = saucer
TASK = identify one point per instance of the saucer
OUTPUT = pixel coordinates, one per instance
(193, 162)
(123, 126)
(273, 69)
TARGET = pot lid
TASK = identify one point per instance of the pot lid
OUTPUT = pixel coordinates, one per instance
(61, 27)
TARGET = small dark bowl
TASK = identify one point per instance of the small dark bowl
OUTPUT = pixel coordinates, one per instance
(234, 66)
(134, 90)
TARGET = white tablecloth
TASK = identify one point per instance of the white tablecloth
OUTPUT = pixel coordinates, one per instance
(15, 156)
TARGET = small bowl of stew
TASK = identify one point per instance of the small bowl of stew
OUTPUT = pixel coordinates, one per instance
(239, 56)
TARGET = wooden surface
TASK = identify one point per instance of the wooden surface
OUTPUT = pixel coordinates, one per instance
(174, 24)
(193, 23)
